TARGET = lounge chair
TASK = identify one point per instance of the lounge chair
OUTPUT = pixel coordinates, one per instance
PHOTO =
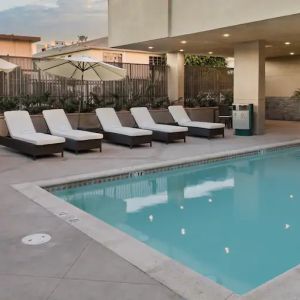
(76, 140)
(161, 132)
(24, 138)
(115, 132)
(203, 129)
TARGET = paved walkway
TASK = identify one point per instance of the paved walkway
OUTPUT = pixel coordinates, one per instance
(73, 266)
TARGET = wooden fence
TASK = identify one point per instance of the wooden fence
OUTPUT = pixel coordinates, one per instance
(201, 81)
(143, 83)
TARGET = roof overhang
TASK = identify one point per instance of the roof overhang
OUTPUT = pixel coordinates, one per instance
(12, 37)
(275, 32)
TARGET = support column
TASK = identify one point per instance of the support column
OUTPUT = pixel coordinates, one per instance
(175, 63)
(249, 79)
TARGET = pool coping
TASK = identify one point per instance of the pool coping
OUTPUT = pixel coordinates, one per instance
(177, 277)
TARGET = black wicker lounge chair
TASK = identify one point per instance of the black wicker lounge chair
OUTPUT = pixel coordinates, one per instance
(161, 132)
(24, 138)
(76, 140)
(201, 129)
(116, 133)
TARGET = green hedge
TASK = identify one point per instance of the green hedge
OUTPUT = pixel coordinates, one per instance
(35, 105)
(210, 99)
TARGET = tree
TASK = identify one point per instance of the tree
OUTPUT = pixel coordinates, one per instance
(205, 61)
(82, 38)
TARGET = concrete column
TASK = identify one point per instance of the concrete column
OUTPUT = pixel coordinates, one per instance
(249, 79)
(175, 62)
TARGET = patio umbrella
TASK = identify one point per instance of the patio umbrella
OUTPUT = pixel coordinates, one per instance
(6, 66)
(81, 68)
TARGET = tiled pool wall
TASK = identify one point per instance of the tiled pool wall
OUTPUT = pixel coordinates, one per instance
(137, 173)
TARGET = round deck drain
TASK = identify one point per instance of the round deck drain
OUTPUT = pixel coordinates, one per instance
(36, 239)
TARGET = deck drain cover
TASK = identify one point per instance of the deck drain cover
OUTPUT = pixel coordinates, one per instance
(36, 239)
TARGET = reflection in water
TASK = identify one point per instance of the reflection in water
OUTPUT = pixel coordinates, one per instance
(137, 203)
(241, 240)
(207, 188)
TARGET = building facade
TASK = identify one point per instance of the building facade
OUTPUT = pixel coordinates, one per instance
(262, 36)
(17, 45)
(99, 49)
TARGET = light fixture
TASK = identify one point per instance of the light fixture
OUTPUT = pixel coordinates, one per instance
(181, 50)
(150, 47)
(151, 218)
(182, 231)
(226, 35)
(268, 46)
(287, 226)
(291, 195)
(210, 200)
(287, 43)
(292, 53)
(227, 250)
(182, 207)
(183, 42)
(210, 53)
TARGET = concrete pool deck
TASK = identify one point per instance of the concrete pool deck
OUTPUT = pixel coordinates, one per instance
(74, 265)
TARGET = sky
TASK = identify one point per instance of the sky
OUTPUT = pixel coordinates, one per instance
(54, 19)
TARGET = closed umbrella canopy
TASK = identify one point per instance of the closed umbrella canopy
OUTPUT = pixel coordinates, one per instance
(6, 66)
(82, 68)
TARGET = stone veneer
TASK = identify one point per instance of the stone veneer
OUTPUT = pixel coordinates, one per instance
(282, 108)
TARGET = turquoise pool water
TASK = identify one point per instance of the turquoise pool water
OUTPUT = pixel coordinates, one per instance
(236, 222)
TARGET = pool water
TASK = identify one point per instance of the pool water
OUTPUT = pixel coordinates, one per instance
(236, 222)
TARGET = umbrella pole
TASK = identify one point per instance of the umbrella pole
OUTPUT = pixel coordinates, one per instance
(80, 101)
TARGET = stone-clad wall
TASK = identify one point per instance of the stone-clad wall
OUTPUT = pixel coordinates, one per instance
(282, 108)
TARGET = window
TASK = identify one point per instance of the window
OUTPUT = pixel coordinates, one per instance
(157, 60)
(112, 57)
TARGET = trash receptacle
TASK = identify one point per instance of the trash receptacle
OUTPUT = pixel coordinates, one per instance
(242, 119)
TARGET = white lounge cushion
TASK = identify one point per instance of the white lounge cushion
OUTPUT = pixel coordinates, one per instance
(205, 125)
(78, 135)
(142, 116)
(59, 125)
(18, 123)
(130, 131)
(21, 128)
(181, 117)
(179, 114)
(145, 121)
(57, 120)
(39, 139)
(165, 128)
(111, 123)
(108, 118)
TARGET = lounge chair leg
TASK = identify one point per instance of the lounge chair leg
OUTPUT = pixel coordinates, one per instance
(150, 144)
(100, 147)
(62, 154)
(131, 146)
(184, 139)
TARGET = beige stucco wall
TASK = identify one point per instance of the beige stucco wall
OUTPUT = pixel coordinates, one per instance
(145, 20)
(249, 79)
(16, 48)
(133, 21)
(196, 16)
(282, 76)
(175, 76)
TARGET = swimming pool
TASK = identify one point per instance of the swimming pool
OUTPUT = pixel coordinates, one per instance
(236, 222)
